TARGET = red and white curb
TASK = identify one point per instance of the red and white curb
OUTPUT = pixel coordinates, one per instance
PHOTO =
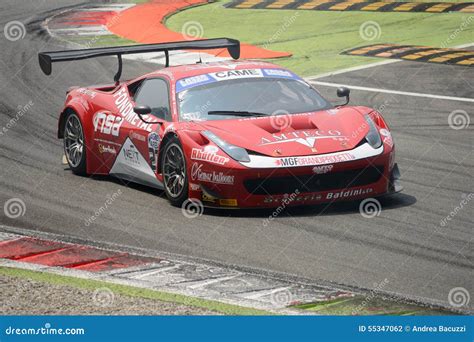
(48, 253)
(90, 23)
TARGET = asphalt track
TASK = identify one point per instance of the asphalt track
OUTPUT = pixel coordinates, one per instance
(405, 244)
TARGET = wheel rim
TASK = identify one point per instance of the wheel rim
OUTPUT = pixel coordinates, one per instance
(174, 171)
(73, 141)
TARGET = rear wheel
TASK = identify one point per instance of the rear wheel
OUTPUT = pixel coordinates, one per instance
(74, 144)
(174, 172)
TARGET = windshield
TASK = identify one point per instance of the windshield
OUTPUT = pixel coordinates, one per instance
(254, 95)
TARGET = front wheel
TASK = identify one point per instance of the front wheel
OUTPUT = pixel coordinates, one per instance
(174, 172)
(74, 144)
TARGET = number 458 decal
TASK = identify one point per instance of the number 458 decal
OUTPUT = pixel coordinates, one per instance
(107, 123)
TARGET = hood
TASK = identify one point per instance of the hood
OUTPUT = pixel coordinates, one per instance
(314, 133)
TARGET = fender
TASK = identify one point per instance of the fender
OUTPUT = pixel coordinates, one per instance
(83, 109)
(166, 137)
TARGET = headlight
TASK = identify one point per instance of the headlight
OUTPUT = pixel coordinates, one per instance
(235, 152)
(373, 137)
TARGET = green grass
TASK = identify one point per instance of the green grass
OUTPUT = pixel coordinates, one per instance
(316, 38)
(54, 279)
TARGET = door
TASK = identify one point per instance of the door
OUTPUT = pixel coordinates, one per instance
(137, 159)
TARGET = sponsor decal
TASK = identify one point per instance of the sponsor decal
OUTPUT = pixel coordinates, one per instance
(131, 155)
(231, 74)
(136, 136)
(386, 137)
(107, 149)
(87, 92)
(130, 164)
(319, 170)
(193, 81)
(228, 202)
(348, 193)
(306, 137)
(197, 174)
(153, 146)
(211, 157)
(298, 198)
(108, 142)
(278, 73)
(125, 108)
(194, 187)
(107, 123)
(388, 141)
(314, 160)
(207, 198)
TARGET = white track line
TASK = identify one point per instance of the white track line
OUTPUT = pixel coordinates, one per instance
(356, 68)
(396, 92)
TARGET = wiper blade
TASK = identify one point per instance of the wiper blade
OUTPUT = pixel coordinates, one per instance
(236, 113)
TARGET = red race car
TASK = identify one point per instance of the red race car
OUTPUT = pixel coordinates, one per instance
(242, 134)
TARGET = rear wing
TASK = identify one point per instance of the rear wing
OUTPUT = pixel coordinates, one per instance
(46, 59)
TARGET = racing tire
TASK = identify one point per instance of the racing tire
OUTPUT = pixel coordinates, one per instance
(75, 144)
(175, 178)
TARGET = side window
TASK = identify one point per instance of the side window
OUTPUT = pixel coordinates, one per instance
(154, 93)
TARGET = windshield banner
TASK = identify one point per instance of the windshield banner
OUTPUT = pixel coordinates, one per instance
(195, 81)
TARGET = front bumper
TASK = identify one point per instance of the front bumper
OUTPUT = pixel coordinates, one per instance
(270, 187)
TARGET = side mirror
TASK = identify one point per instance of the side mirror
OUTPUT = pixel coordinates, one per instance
(145, 110)
(142, 110)
(344, 92)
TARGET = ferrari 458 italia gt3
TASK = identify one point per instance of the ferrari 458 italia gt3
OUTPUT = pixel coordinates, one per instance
(241, 134)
